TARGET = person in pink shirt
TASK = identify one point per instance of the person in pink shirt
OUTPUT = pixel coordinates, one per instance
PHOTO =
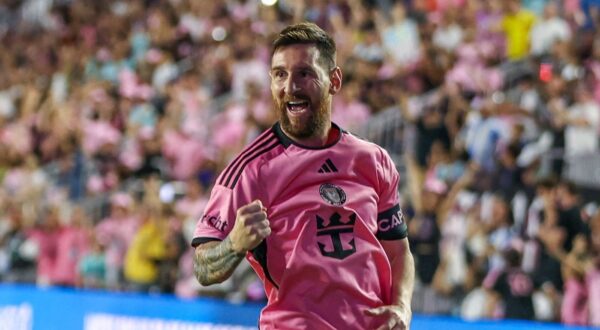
(593, 272)
(46, 237)
(193, 203)
(98, 134)
(189, 209)
(184, 154)
(115, 233)
(593, 286)
(73, 243)
(574, 307)
(349, 111)
(314, 209)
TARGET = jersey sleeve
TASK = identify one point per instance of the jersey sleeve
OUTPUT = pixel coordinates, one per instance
(220, 213)
(390, 219)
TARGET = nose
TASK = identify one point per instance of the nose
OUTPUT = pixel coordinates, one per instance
(291, 86)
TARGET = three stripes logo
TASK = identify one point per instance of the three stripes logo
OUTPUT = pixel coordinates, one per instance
(328, 167)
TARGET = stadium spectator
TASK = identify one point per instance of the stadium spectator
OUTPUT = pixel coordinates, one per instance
(92, 266)
(147, 250)
(511, 288)
(18, 253)
(46, 236)
(575, 306)
(73, 243)
(400, 36)
(516, 25)
(115, 233)
(549, 29)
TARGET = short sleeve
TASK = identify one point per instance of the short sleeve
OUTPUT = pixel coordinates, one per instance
(391, 224)
(220, 213)
(492, 280)
(218, 217)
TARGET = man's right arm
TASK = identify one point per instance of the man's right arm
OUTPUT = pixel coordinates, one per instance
(215, 261)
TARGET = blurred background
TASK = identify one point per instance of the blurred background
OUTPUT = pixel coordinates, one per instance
(117, 116)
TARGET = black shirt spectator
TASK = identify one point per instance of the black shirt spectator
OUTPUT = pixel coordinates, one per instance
(569, 214)
(514, 287)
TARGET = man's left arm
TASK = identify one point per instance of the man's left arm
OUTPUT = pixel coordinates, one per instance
(403, 278)
(392, 233)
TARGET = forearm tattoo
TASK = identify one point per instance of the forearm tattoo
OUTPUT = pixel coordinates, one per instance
(216, 263)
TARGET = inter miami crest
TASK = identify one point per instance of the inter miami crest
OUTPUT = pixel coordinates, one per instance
(339, 230)
(332, 194)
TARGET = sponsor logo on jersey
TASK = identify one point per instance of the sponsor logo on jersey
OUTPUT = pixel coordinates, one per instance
(332, 194)
(340, 231)
(327, 167)
(215, 221)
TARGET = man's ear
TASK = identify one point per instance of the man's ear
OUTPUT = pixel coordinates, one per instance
(335, 76)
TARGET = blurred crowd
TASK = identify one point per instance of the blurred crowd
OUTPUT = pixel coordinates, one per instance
(116, 117)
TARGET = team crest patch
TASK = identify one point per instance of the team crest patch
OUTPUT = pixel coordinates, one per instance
(332, 194)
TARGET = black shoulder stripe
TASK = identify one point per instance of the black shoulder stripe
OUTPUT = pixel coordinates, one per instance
(256, 154)
(239, 166)
(260, 141)
(239, 157)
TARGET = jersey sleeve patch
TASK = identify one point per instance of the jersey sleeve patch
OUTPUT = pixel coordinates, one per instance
(391, 224)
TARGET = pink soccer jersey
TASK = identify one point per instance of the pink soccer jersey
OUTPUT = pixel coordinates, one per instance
(323, 264)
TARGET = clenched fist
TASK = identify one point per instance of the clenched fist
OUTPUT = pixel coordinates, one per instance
(251, 227)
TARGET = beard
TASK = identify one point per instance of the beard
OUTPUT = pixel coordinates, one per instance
(316, 123)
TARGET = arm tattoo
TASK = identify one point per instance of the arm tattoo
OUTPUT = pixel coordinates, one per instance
(214, 263)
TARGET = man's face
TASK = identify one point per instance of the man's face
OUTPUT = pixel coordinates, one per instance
(302, 89)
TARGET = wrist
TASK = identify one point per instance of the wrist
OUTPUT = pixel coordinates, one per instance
(234, 248)
(403, 305)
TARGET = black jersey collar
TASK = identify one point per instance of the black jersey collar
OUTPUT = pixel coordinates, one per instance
(286, 141)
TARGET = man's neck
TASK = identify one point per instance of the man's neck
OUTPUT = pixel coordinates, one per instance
(328, 136)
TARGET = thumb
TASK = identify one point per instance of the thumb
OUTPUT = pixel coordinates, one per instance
(377, 311)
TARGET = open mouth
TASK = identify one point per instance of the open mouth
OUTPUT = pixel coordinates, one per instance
(297, 107)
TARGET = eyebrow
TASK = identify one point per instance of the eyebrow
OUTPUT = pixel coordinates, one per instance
(303, 67)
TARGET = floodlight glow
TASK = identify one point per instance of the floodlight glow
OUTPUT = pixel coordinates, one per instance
(268, 2)
(219, 33)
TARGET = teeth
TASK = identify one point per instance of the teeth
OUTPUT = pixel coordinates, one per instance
(296, 103)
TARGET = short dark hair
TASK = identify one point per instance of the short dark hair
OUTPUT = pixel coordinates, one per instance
(546, 182)
(308, 33)
(512, 257)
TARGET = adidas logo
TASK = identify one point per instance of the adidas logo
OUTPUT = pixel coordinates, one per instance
(328, 167)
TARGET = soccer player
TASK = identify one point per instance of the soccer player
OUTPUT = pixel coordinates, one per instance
(313, 208)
